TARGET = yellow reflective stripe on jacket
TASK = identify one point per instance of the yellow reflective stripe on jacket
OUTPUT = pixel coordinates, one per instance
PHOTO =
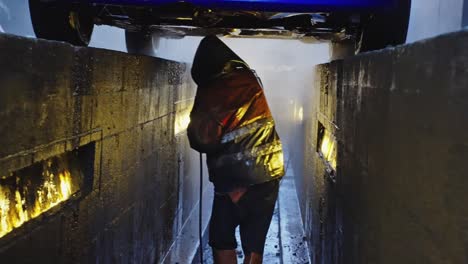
(254, 152)
(248, 129)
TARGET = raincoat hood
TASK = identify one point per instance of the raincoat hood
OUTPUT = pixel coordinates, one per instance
(211, 58)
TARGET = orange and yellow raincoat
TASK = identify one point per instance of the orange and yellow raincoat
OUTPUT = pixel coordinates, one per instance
(231, 121)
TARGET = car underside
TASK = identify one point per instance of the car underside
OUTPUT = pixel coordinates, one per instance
(184, 19)
(373, 25)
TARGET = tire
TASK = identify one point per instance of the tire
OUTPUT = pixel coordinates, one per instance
(141, 43)
(61, 22)
(385, 29)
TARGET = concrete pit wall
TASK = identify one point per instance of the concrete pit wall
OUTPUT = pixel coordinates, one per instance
(400, 118)
(55, 98)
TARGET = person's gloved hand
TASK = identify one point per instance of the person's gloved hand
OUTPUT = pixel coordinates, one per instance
(204, 132)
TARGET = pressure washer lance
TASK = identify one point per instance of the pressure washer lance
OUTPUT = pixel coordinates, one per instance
(200, 237)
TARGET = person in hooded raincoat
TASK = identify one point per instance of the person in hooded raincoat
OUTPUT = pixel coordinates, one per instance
(232, 123)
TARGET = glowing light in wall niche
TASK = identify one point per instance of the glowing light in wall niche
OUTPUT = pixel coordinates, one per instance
(25, 197)
(182, 121)
(327, 146)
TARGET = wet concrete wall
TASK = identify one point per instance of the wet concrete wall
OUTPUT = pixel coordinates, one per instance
(130, 110)
(400, 118)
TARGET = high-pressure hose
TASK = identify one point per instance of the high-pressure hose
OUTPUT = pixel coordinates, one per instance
(200, 237)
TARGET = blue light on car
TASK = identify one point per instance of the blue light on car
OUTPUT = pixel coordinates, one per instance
(296, 5)
(268, 5)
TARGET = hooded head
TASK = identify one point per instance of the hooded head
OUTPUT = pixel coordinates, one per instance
(211, 58)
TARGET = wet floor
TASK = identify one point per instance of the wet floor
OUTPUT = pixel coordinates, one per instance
(285, 240)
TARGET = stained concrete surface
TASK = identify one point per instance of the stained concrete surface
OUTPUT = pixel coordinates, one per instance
(400, 119)
(55, 98)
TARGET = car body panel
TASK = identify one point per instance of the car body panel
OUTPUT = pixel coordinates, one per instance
(265, 5)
